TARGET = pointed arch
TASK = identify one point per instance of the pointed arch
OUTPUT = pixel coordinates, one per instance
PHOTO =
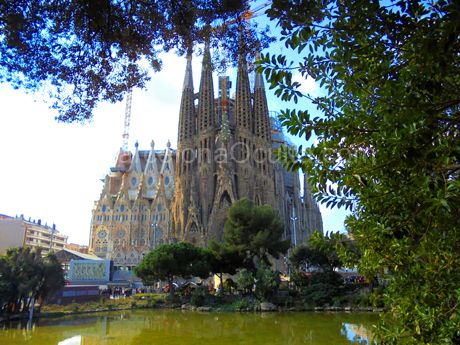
(225, 200)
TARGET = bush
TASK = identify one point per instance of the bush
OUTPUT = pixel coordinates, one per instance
(360, 298)
(199, 296)
(245, 280)
(229, 285)
(244, 303)
(320, 293)
(328, 277)
(172, 299)
(300, 280)
(267, 282)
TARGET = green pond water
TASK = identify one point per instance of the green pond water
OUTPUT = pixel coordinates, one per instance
(174, 327)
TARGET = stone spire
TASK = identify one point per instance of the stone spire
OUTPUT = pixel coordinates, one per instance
(206, 100)
(243, 97)
(150, 165)
(133, 177)
(187, 106)
(151, 174)
(261, 118)
(136, 162)
(167, 171)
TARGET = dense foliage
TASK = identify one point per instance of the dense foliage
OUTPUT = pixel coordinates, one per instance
(256, 232)
(175, 260)
(321, 257)
(267, 282)
(387, 143)
(26, 277)
(320, 254)
(224, 259)
(86, 51)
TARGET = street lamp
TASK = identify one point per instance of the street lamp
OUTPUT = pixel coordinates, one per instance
(154, 227)
(294, 219)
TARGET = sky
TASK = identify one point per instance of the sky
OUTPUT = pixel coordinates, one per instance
(52, 171)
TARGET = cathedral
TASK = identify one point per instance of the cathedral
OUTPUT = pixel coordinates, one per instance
(224, 153)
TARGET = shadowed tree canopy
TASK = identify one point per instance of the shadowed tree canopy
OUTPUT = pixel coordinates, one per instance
(224, 259)
(325, 251)
(387, 144)
(25, 276)
(255, 231)
(168, 261)
(87, 51)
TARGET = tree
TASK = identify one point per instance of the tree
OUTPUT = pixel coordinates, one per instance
(387, 144)
(324, 258)
(26, 277)
(87, 51)
(52, 278)
(255, 231)
(224, 259)
(321, 252)
(326, 252)
(173, 260)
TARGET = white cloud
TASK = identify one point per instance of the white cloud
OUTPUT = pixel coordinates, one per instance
(51, 171)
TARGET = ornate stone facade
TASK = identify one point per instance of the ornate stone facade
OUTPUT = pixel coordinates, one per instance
(224, 153)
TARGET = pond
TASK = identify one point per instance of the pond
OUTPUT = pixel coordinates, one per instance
(175, 327)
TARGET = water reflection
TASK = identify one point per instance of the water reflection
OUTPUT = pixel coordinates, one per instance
(141, 327)
(76, 340)
(357, 333)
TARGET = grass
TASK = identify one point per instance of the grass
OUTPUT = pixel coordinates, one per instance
(358, 298)
(138, 301)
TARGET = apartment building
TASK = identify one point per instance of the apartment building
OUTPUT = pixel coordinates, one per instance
(19, 232)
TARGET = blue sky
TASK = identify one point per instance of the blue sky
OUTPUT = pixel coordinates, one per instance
(51, 171)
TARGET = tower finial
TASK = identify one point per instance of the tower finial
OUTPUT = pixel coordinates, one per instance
(136, 162)
(243, 96)
(188, 80)
(258, 82)
(206, 115)
(187, 105)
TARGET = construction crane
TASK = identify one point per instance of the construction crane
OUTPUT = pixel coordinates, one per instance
(256, 11)
(129, 98)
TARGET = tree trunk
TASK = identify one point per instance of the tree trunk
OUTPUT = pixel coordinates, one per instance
(171, 288)
(221, 277)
